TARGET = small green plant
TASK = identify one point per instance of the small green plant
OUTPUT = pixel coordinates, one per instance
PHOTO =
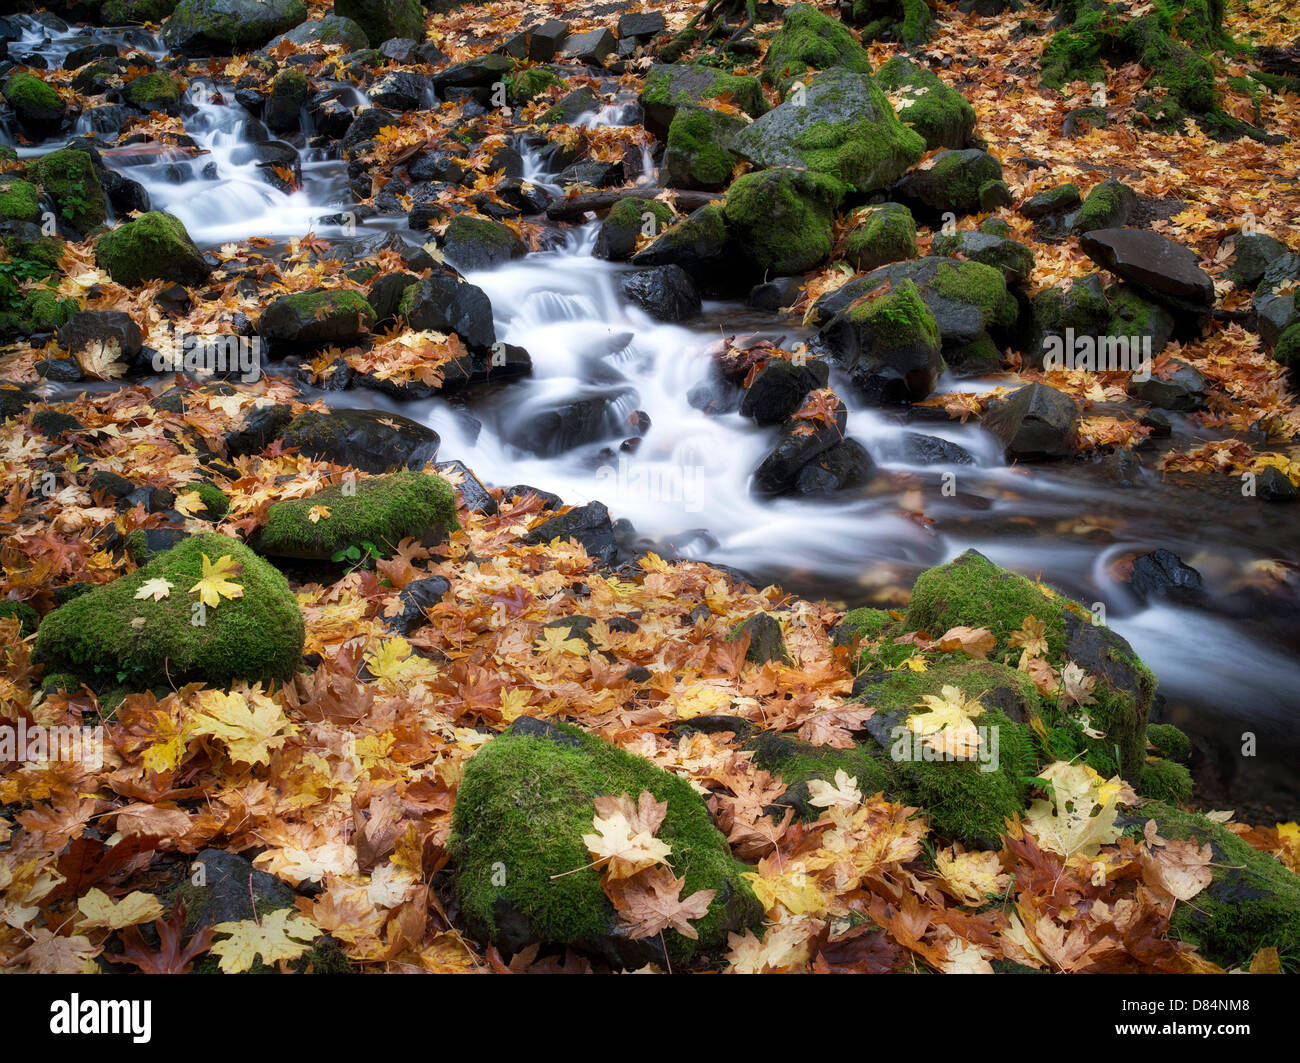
(358, 556)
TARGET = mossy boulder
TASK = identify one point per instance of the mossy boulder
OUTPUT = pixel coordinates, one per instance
(108, 637)
(1013, 260)
(702, 245)
(19, 201)
(880, 235)
(124, 12)
(1109, 205)
(890, 344)
(381, 20)
(155, 92)
(843, 127)
(317, 317)
(330, 29)
(222, 27)
(906, 21)
(972, 307)
(69, 176)
(370, 440)
(38, 108)
(1165, 780)
(1253, 901)
(626, 221)
(376, 513)
(479, 243)
(950, 183)
(154, 246)
(669, 86)
(43, 310)
(972, 591)
(927, 103)
(810, 41)
(782, 218)
(522, 872)
(700, 152)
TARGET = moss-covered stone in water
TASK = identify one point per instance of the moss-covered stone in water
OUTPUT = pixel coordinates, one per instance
(626, 221)
(809, 40)
(1252, 903)
(782, 218)
(19, 201)
(884, 234)
(522, 872)
(699, 152)
(979, 285)
(154, 92)
(897, 321)
(33, 100)
(379, 512)
(927, 103)
(107, 636)
(154, 246)
(69, 176)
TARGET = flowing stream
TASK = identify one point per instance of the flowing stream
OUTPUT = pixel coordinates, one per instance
(686, 484)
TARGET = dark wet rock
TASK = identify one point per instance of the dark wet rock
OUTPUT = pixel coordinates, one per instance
(364, 128)
(233, 891)
(777, 294)
(796, 446)
(591, 47)
(1056, 200)
(701, 245)
(1275, 308)
(666, 293)
(589, 525)
(540, 43)
(257, 429)
(386, 294)
(524, 196)
(920, 449)
(478, 74)
(641, 25)
(330, 29)
(550, 500)
(889, 344)
(883, 233)
(557, 427)
(371, 440)
(1153, 263)
(436, 166)
(90, 327)
(39, 109)
(1184, 391)
(402, 90)
(701, 149)
(1035, 423)
(1162, 574)
(414, 599)
(780, 387)
(446, 303)
(59, 370)
(1254, 253)
(844, 466)
(766, 641)
(1273, 485)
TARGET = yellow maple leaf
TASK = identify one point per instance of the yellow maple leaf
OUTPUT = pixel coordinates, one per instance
(249, 724)
(793, 889)
(215, 583)
(99, 910)
(624, 842)
(1032, 637)
(281, 935)
(188, 503)
(156, 588)
(844, 793)
(1080, 816)
(970, 877)
(317, 513)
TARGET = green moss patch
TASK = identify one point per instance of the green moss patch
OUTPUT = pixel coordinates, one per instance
(810, 41)
(371, 515)
(108, 636)
(524, 804)
(782, 218)
(69, 176)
